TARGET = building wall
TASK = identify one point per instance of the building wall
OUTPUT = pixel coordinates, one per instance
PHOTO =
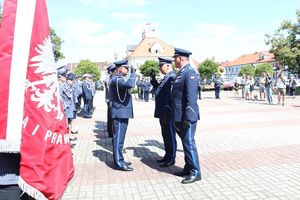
(233, 71)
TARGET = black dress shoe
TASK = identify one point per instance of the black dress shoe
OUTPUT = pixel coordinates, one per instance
(181, 173)
(191, 179)
(125, 168)
(162, 160)
(167, 163)
(127, 163)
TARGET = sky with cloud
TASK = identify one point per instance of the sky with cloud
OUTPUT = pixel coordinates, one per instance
(97, 29)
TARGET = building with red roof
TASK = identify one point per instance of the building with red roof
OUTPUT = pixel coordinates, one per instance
(233, 68)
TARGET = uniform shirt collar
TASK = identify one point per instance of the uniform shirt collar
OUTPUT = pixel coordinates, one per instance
(183, 68)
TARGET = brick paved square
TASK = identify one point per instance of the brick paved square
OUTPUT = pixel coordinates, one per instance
(246, 150)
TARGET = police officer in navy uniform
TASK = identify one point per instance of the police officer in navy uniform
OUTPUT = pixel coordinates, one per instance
(199, 86)
(163, 110)
(217, 83)
(146, 88)
(121, 110)
(67, 98)
(186, 114)
(139, 88)
(75, 92)
(91, 106)
(78, 86)
(111, 73)
(87, 94)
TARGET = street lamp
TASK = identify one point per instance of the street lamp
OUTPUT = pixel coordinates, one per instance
(116, 56)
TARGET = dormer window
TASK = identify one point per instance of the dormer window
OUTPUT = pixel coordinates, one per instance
(156, 48)
(261, 56)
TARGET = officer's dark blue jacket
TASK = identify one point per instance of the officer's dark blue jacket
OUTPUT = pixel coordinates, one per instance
(120, 97)
(146, 86)
(184, 95)
(163, 95)
(67, 98)
(77, 88)
(87, 90)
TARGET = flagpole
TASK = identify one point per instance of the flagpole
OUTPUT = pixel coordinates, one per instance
(20, 54)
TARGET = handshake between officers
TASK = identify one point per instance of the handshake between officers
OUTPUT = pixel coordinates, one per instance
(177, 109)
(175, 106)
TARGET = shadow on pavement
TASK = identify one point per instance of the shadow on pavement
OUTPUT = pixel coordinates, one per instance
(104, 156)
(101, 135)
(102, 140)
(157, 144)
(149, 157)
(80, 112)
(101, 130)
(154, 143)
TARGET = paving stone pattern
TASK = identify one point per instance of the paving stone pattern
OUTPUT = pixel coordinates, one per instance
(247, 150)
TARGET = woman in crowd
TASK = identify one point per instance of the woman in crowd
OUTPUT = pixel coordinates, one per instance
(281, 86)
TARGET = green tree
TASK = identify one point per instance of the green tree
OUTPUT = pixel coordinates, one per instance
(263, 68)
(150, 66)
(56, 45)
(88, 67)
(285, 45)
(207, 68)
(247, 70)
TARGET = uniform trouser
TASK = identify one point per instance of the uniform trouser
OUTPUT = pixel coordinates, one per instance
(243, 91)
(13, 192)
(153, 93)
(186, 132)
(292, 91)
(199, 93)
(86, 106)
(91, 105)
(10, 192)
(217, 92)
(269, 94)
(146, 95)
(142, 94)
(78, 104)
(109, 122)
(169, 138)
(119, 128)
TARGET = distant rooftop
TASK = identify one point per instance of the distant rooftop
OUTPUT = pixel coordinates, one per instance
(253, 58)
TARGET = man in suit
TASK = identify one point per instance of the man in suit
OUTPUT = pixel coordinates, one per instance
(163, 110)
(87, 94)
(186, 114)
(121, 110)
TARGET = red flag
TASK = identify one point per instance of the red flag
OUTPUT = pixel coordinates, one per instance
(9, 141)
(46, 159)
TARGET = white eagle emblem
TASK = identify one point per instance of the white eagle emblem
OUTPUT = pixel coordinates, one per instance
(45, 91)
